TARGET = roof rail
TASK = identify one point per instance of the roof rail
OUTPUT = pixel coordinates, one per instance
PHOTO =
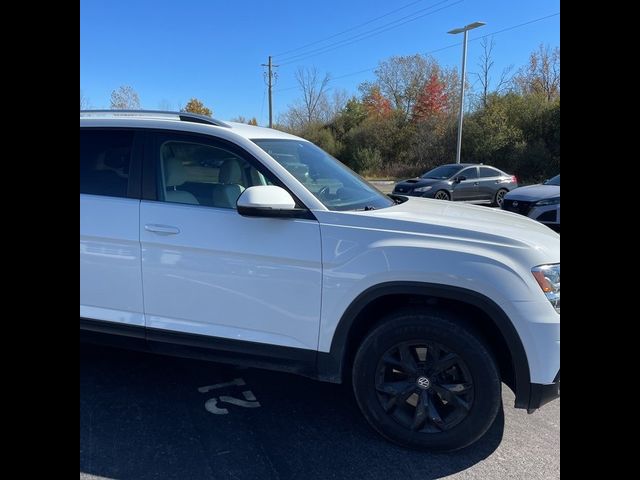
(182, 116)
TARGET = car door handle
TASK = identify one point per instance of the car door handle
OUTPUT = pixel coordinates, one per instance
(162, 229)
(476, 183)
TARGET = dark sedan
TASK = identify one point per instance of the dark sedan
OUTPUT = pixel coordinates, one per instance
(460, 182)
(540, 202)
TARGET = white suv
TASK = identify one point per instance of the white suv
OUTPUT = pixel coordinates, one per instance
(242, 244)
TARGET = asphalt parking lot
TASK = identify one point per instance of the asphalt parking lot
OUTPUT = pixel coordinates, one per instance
(144, 416)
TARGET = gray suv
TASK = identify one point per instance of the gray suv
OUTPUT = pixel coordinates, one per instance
(475, 183)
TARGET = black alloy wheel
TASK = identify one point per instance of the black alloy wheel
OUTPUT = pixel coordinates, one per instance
(425, 379)
(424, 386)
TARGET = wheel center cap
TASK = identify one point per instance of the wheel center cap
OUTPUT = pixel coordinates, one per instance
(423, 382)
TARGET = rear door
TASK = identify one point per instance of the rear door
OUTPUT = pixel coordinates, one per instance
(489, 183)
(110, 254)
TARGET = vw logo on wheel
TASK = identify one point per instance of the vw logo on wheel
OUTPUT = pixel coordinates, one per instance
(423, 382)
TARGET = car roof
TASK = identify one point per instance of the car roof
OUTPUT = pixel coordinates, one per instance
(182, 121)
(460, 165)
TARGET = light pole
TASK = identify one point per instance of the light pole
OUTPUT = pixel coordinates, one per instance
(455, 31)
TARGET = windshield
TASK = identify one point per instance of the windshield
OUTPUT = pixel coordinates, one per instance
(553, 181)
(443, 172)
(336, 186)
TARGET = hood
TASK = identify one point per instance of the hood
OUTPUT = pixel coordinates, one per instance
(466, 224)
(534, 192)
(419, 182)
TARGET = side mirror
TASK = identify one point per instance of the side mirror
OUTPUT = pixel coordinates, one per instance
(267, 201)
(459, 179)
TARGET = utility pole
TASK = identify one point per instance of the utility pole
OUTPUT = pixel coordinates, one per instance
(271, 75)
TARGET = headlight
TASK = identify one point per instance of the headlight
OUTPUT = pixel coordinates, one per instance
(548, 277)
(548, 201)
(422, 189)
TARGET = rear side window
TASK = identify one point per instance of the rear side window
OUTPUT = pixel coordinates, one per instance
(105, 158)
(486, 172)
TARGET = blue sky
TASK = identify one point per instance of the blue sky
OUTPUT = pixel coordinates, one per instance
(170, 51)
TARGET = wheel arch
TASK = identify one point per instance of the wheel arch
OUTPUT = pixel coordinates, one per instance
(371, 305)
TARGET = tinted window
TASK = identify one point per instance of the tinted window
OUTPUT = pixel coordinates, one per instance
(470, 173)
(201, 174)
(553, 181)
(105, 157)
(443, 172)
(489, 172)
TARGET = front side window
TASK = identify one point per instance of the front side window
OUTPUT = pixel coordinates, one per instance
(201, 174)
(335, 185)
(470, 173)
(443, 172)
(105, 157)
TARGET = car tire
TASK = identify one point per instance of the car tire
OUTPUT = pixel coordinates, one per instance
(442, 195)
(498, 198)
(454, 385)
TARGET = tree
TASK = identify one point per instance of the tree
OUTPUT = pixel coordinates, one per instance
(541, 76)
(432, 100)
(337, 103)
(84, 102)
(314, 106)
(196, 106)
(125, 98)
(352, 114)
(314, 91)
(489, 136)
(376, 105)
(486, 66)
(401, 79)
(241, 119)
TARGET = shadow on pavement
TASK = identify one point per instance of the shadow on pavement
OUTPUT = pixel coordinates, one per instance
(142, 417)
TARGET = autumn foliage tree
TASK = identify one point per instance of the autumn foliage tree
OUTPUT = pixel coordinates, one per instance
(404, 121)
(196, 106)
(432, 100)
(375, 104)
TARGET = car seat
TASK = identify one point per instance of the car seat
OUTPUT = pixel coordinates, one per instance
(229, 188)
(175, 175)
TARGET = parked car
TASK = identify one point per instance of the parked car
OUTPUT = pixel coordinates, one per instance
(199, 238)
(540, 202)
(470, 182)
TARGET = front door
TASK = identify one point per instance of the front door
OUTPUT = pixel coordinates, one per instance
(208, 270)
(466, 189)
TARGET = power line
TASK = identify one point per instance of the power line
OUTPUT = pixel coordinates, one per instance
(441, 48)
(367, 34)
(347, 30)
(516, 26)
